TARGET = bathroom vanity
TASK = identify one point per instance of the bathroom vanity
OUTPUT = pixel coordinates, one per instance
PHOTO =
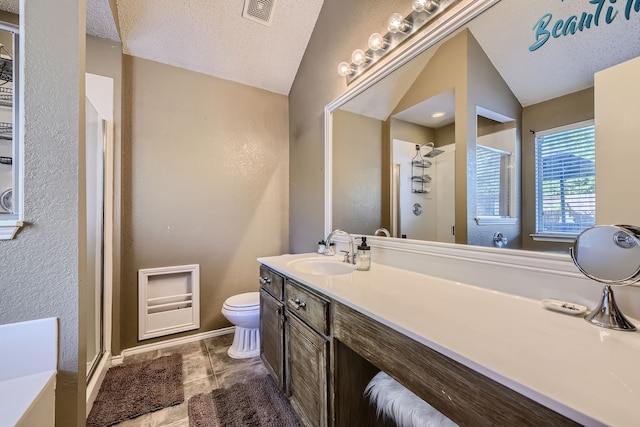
(294, 327)
(479, 356)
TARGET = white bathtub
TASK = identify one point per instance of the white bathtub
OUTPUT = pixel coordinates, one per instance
(28, 363)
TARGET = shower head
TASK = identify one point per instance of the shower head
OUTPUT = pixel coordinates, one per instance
(434, 151)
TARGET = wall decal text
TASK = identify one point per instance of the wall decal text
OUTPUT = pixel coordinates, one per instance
(606, 11)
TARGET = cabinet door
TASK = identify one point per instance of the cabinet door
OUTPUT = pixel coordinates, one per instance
(272, 336)
(306, 372)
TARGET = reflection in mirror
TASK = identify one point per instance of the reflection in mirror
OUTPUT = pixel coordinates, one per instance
(10, 147)
(488, 84)
(496, 191)
(7, 170)
(430, 126)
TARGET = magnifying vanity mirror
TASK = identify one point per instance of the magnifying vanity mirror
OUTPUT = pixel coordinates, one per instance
(509, 96)
(609, 254)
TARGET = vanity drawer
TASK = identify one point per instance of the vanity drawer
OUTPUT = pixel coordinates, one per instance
(271, 282)
(308, 306)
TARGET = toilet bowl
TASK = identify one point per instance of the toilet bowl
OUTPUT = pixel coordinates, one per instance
(243, 311)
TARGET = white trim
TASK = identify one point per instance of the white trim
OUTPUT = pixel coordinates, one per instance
(117, 360)
(9, 228)
(570, 126)
(107, 301)
(496, 220)
(180, 313)
(552, 237)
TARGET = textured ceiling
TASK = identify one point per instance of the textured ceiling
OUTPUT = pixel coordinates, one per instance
(100, 20)
(209, 36)
(562, 65)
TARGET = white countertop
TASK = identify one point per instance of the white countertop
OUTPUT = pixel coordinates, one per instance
(587, 373)
(19, 395)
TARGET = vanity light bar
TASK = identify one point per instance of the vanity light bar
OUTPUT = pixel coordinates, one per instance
(400, 28)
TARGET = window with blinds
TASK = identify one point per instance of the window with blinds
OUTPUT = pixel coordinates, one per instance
(565, 179)
(492, 182)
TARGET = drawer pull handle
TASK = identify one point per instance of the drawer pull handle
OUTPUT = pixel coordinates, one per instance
(264, 280)
(297, 303)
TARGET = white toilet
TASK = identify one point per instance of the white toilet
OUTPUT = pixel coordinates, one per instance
(243, 310)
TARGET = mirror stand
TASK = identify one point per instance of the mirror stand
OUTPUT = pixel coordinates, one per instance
(608, 315)
(609, 254)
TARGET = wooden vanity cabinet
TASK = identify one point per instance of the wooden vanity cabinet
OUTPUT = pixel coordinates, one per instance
(271, 324)
(272, 337)
(307, 354)
(294, 344)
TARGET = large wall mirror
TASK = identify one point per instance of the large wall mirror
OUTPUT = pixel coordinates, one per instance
(486, 136)
(9, 148)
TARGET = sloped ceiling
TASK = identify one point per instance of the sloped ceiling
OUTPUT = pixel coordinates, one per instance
(562, 65)
(208, 36)
(211, 37)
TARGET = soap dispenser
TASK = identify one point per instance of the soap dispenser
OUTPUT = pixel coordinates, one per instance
(363, 256)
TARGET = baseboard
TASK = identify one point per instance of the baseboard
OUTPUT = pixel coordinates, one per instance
(117, 360)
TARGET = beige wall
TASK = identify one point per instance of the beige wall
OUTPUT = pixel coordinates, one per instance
(341, 27)
(617, 102)
(356, 165)
(42, 271)
(412, 132)
(486, 89)
(205, 181)
(445, 135)
(572, 108)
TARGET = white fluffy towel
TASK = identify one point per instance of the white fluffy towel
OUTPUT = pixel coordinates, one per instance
(401, 405)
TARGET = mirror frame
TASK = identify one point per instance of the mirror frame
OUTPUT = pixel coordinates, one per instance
(438, 29)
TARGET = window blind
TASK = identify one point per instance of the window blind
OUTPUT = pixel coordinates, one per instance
(565, 180)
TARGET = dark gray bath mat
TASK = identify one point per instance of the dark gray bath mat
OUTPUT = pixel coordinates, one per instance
(129, 391)
(255, 403)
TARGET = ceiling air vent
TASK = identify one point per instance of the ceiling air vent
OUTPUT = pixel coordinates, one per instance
(260, 11)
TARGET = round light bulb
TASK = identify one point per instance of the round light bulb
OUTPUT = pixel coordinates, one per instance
(397, 24)
(419, 5)
(425, 5)
(377, 42)
(359, 57)
(344, 69)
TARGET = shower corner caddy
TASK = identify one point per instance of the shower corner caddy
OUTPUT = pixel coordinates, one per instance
(419, 177)
(168, 300)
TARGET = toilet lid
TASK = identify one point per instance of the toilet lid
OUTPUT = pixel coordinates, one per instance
(248, 299)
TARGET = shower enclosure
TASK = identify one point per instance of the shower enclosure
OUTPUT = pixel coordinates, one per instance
(95, 135)
(423, 188)
(99, 231)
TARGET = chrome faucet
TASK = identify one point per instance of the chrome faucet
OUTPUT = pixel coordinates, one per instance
(350, 256)
(382, 230)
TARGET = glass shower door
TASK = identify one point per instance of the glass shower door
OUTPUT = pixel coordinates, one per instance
(95, 141)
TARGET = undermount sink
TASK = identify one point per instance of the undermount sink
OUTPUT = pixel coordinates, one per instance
(322, 266)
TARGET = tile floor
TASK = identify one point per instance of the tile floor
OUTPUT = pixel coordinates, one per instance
(205, 366)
